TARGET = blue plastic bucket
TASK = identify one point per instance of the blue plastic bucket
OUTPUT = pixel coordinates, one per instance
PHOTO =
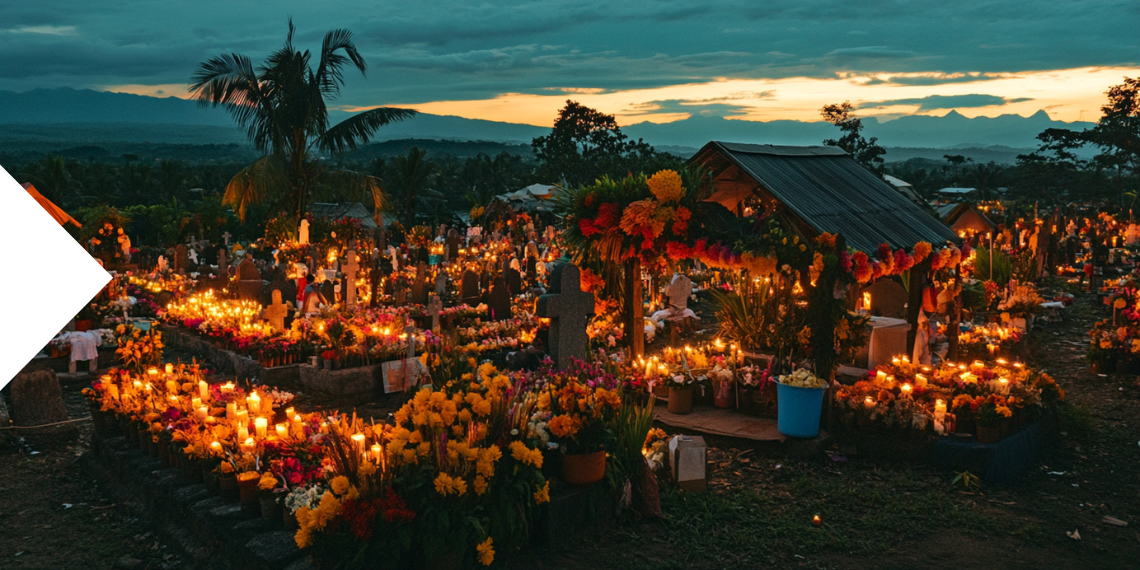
(799, 410)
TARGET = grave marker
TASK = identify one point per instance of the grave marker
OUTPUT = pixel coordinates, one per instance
(276, 312)
(499, 300)
(469, 291)
(567, 307)
(181, 259)
(348, 288)
(452, 248)
(435, 305)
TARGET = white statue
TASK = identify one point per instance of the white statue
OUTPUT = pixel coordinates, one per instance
(304, 232)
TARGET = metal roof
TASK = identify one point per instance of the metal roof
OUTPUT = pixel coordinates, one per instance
(830, 192)
(344, 209)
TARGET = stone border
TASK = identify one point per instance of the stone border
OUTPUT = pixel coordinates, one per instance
(208, 530)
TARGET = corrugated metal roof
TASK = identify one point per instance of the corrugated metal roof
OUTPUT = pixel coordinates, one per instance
(337, 211)
(830, 192)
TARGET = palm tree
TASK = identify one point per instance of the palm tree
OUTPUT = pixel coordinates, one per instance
(412, 177)
(282, 107)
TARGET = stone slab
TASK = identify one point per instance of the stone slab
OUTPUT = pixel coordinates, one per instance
(720, 421)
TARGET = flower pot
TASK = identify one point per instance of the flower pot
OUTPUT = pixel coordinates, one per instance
(290, 520)
(989, 434)
(661, 390)
(98, 418)
(584, 468)
(800, 410)
(724, 394)
(680, 400)
(247, 494)
(83, 325)
(328, 363)
(228, 486)
(270, 508)
(162, 449)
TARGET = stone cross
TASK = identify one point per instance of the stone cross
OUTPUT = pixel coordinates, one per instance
(226, 236)
(303, 231)
(567, 307)
(440, 283)
(192, 256)
(275, 313)
(350, 267)
(435, 305)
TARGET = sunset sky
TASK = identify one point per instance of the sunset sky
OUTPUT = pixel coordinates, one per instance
(643, 61)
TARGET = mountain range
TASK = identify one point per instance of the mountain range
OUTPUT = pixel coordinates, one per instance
(85, 117)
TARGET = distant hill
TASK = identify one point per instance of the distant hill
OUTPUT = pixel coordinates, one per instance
(66, 118)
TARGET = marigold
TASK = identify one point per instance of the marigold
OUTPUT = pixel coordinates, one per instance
(486, 552)
(542, 495)
(825, 240)
(921, 251)
(339, 484)
(667, 186)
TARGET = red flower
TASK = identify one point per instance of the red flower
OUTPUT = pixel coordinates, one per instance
(609, 214)
(883, 253)
(587, 227)
(902, 261)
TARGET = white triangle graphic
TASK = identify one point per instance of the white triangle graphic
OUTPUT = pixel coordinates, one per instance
(48, 277)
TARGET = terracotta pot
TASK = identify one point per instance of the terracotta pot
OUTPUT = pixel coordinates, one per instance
(680, 400)
(83, 325)
(989, 434)
(584, 468)
(247, 494)
(661, 390)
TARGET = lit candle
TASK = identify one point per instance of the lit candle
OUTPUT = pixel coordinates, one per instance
(171, 387)
(816, 521)
(195, 403)
(215, 447)
(248, 445)
(253, 402)
(376, 451)
(289, 412)
(242, 417)
(204, 390)
(939, 409)
(1003, 385)
(868, 403)
(261, 425)
(202, 412)
(358, 438)
(227, 387)
(905, 388)
(282, 431)
(993, 349)
(920, 380)
(231, 410)
(881, 376)
(243, 433)
(169, 368)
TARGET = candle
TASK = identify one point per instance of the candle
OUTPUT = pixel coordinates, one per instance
(866, 301)
(1003, 385)
(895, 361)
(227, 387)
(881, 376)
(376, 450)
(171, 387)
(243, 433)
(248, 445)
(231, 410)
(196, 403)
(113, 391)
(215, 447)
(905, 388)
(289, 412)
(868, 403)
(203, 390)
(816, 521)
(993, 349)
(358, 438)
(261, 425)
(169, 368)
(920, 380)
(202, 412)
(253, 402)
(282, 431)
(242, 416)
(939, 409)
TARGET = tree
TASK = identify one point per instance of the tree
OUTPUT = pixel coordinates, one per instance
(864, 151)
(586, 144)
(282, 107)
(411, 177)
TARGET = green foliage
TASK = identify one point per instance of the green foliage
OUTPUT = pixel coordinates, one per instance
(1002, 267)
(967, 481)
(865, 151)
(761, 314)
(586, 145)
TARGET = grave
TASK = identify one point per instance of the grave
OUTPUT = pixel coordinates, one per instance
(35, 399)
(498, 301)
(348, 289)
(441, 283)
(249, 281)
(276, 312)
(419, 286)
(514, 279)
(469, 290)
(567, 307)
(435, 305)
(452, 244)
(328, 292)
(181, 259)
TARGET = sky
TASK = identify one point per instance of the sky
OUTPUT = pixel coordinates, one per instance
(656, 61)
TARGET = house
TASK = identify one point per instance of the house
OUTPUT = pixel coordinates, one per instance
(905, 188)
(965, 219)
(334, 212)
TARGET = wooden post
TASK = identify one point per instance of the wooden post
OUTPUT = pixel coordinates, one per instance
(955, 317)
(635, 312)
(914, 300)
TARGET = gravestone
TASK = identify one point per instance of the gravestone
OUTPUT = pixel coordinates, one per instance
(423, 255)
(469, 291)
(435, 305)
(303, 232)
(181, 259)
(223, 267)
(226, 236)
(399, 289)
(192, 255)
(276, 312)
(375, 275)
(419, 286)
(498, 300)
(888, 299)
(514, 280)
(441, 283)
(35, 399)
(349, 267)
(328, 292)
(381, 236)
(531, 267)
(410, 330)
(249, 281)
(452, 244)
(567, 307)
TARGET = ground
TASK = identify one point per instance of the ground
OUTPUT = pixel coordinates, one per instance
(878, 511)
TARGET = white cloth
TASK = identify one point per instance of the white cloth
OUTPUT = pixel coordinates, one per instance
(888, 340)
(922, 340)
(84, 345)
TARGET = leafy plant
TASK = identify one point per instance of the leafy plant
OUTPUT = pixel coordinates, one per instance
(1002, 267)
(967, 480)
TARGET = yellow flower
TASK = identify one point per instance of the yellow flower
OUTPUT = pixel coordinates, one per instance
(480, 485)
(486, 552)
(526, 455)
(1120, 303)
(1004, 411)
(542, 495)
(667, 186)
(339, 485)
(267, 483)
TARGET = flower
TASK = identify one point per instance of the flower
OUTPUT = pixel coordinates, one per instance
(667, 186)
(825, 240)
(485, 552)
(1120, 303)
(339, 485)
(542, 495)
(921, 251)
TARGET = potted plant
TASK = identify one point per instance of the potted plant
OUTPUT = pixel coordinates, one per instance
(757, 390)
(992, 416)
(801, 403)
(680, 393)
(581, 423)
(329, 357)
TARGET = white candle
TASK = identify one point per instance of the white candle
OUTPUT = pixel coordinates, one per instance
(920, 380)
(282, 431)
(171, 387)
(243, 433)
(202, 412)
(868, 403)
(204, 390)
(881, 376)
(253, 402)
(231, 410)
(169, 368)
(261, 425)
(195, 403)
(939, 410)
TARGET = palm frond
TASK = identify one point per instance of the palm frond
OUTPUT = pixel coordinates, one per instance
(254, 183)
(330, 75)
(229, 80)
(358, 129)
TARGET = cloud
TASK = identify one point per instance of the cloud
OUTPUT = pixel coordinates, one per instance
(45, 30)
(934, 102)
(871, 52)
